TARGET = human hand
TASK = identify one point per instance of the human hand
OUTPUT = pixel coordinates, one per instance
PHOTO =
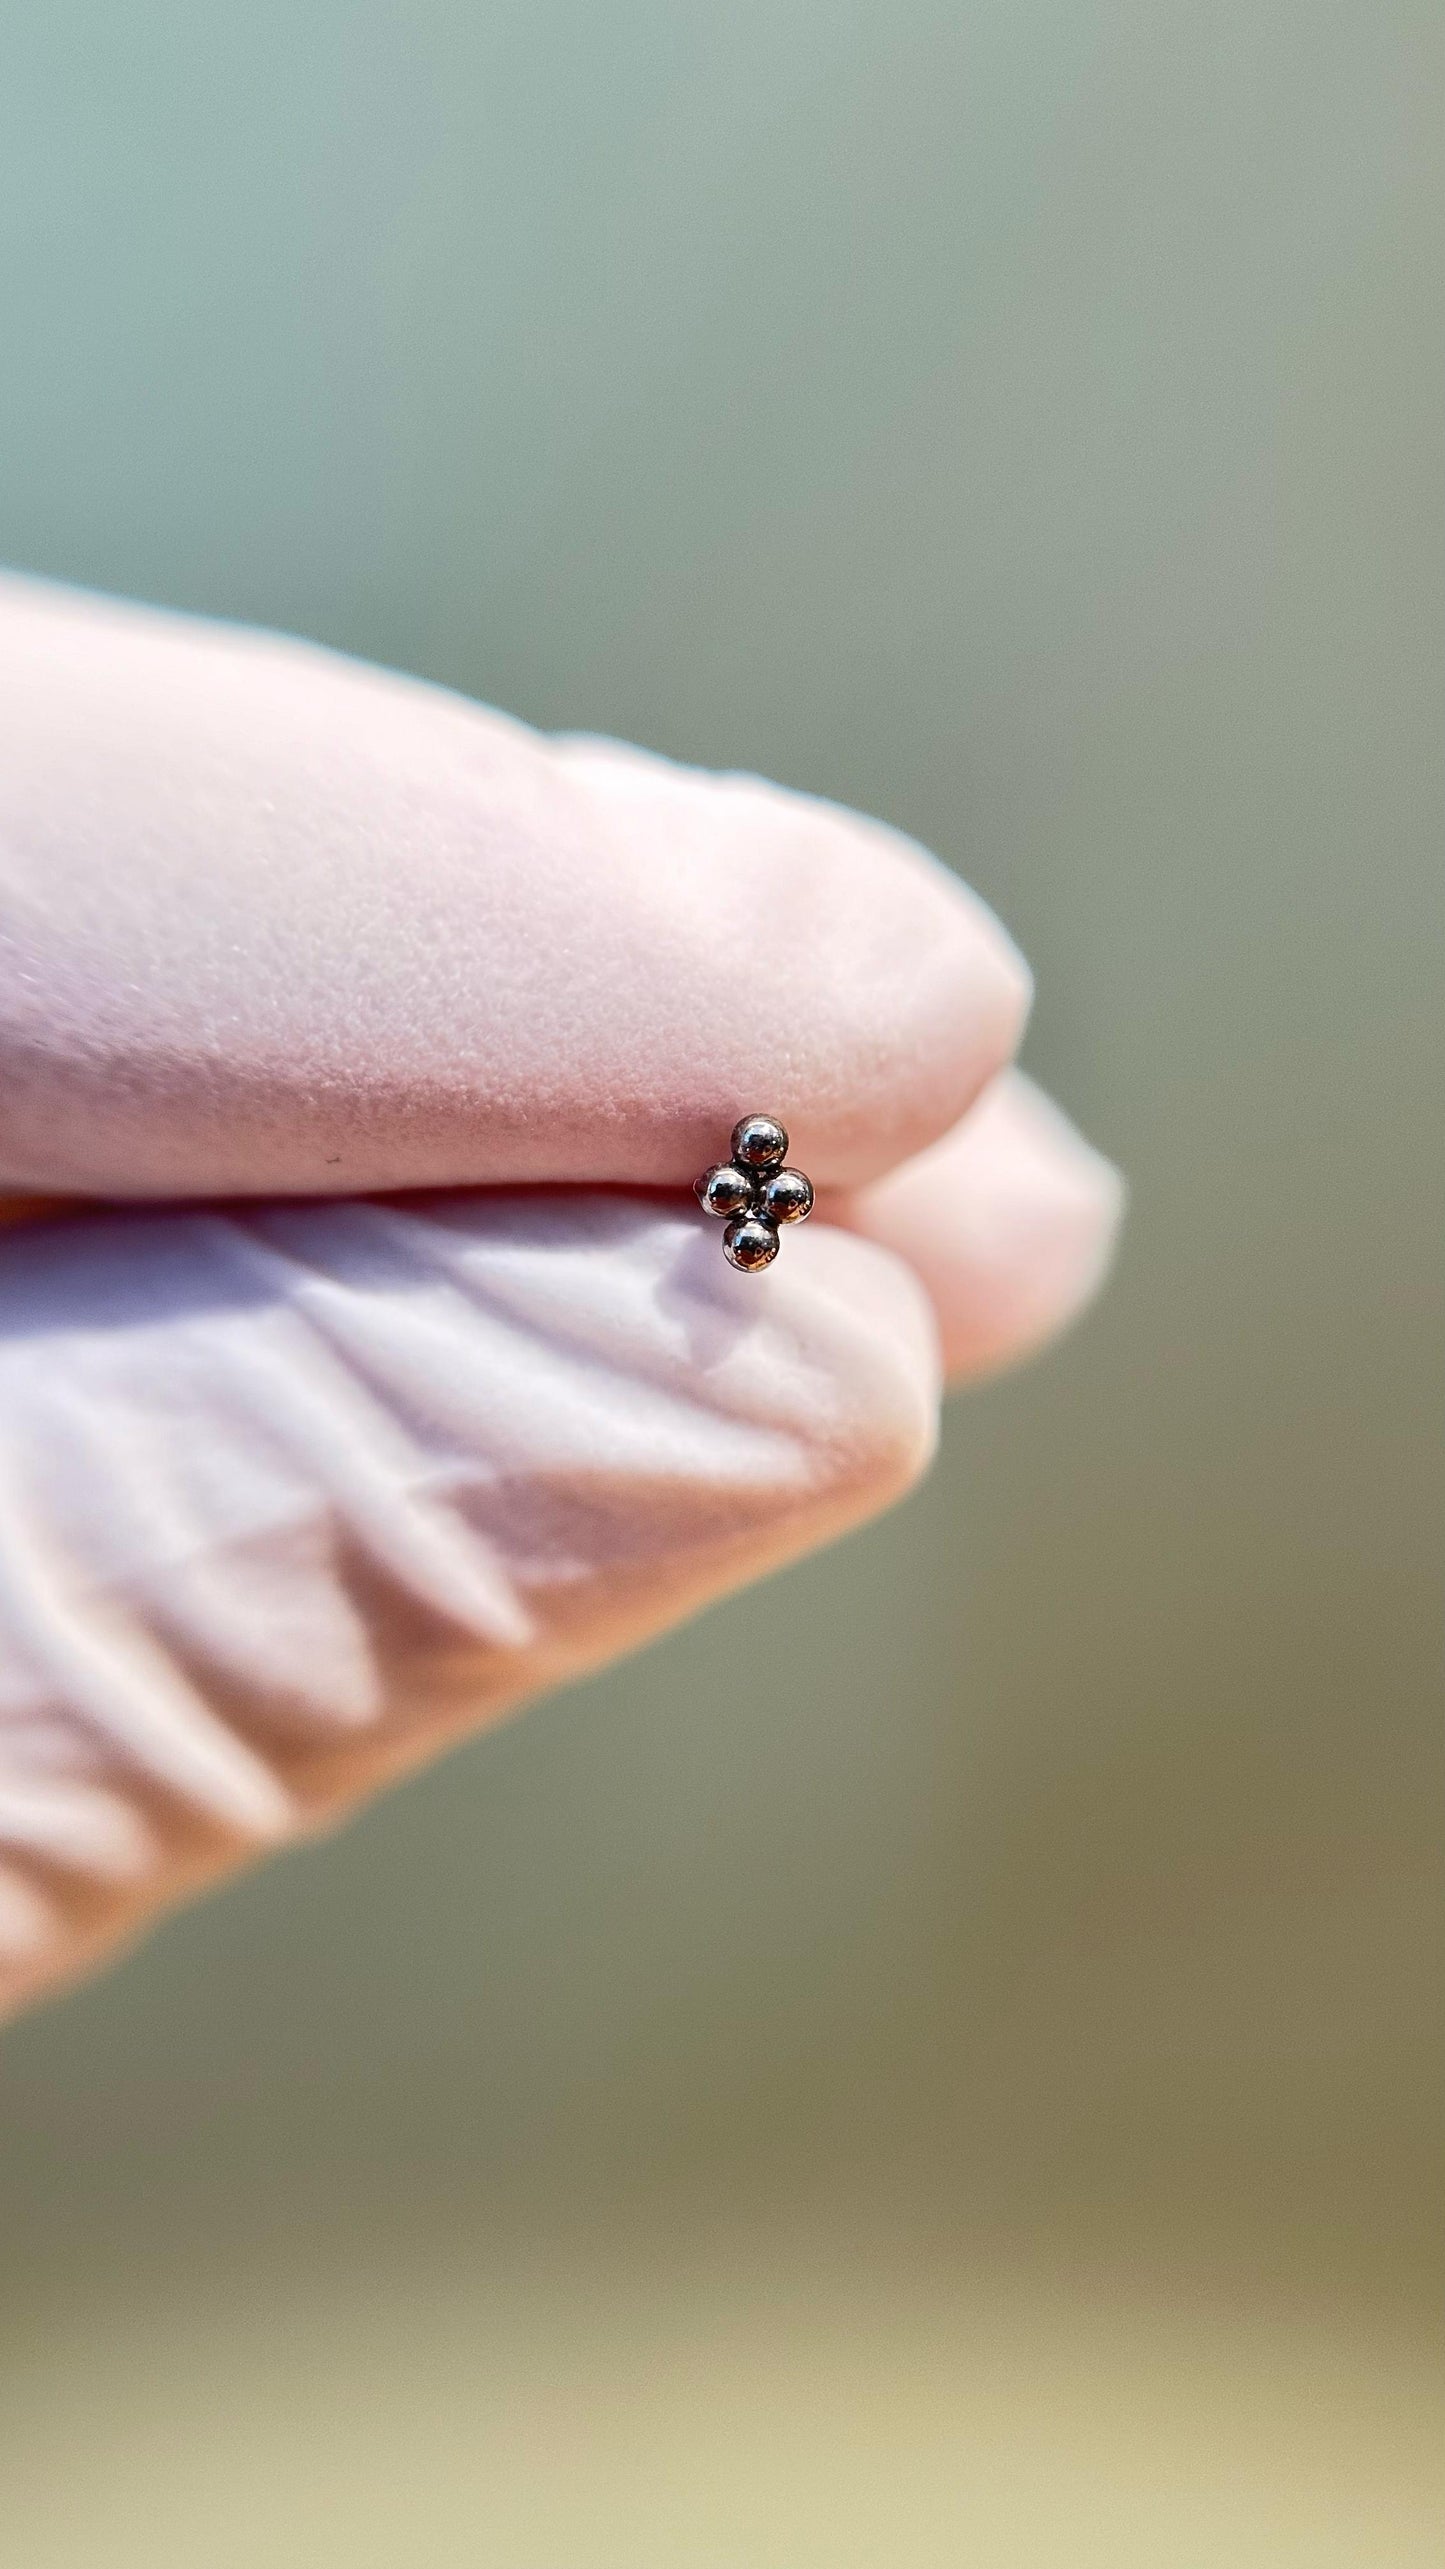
(294, 1492)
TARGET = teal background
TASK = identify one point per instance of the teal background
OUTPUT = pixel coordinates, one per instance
(983, 2103)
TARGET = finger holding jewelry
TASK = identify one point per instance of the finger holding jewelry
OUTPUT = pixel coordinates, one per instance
(275, 922)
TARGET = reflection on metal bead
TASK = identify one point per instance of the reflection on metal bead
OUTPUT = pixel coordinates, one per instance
(759, 1142)
(753, 1192)
(725, 1191)
(786, 1196)
(750, 1243)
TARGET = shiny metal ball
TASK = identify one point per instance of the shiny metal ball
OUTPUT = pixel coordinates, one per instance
(750, 1244)
(759, 1142)
(725, 1191)
(786, 1196)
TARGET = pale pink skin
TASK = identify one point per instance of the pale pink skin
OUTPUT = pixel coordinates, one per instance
(271, 925)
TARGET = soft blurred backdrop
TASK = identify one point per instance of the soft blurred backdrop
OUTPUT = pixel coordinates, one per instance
(981, 2106)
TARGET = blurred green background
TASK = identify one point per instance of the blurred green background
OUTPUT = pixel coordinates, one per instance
(982, 2106)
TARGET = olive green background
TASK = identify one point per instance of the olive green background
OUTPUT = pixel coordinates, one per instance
(981, 2103)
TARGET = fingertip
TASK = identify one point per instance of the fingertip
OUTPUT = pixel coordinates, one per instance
(871, 1335)
(1011, 1223)
(810, 961)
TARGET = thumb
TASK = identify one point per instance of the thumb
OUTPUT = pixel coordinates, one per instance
(293, 1496)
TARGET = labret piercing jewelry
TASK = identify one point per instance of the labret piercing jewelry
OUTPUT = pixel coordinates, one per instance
(753, 1192)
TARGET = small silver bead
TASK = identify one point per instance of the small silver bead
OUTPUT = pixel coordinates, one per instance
(725, 1191)
(753, 1192)
(786, 1196)
(750, 1243)
(759, 1142)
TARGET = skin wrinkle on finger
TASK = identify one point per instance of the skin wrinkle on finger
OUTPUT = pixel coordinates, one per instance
(274, 922)
(1010, 1222)
(569, 1390)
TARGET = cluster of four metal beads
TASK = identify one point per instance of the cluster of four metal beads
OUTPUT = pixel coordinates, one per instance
(753, 1192)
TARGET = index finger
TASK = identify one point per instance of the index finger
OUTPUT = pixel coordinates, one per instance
(271, 921)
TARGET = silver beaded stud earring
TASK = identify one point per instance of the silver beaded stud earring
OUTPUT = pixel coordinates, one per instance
(753, 1193)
